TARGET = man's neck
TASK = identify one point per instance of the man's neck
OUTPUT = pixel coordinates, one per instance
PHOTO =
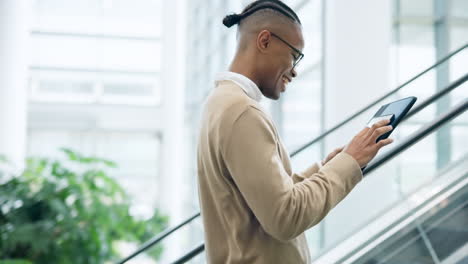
(245, 68)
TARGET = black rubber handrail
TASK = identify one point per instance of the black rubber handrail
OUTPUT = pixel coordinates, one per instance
(331, 130)
(158, 238)
(410, 141)
(192, 253)
(436, 96)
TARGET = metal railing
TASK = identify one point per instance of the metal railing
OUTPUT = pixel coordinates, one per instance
(158, 238)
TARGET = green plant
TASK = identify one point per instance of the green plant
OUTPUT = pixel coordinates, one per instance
(15, 261)
(68, 212)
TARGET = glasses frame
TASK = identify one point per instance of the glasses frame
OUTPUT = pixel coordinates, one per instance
(296, 59)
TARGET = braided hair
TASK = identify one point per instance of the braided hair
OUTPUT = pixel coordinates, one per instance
(275, 5)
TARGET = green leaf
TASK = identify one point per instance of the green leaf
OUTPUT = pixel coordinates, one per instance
(70, 153)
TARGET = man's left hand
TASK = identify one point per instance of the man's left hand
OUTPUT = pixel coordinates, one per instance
(332, 155)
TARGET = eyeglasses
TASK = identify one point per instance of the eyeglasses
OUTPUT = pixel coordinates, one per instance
(297, 58)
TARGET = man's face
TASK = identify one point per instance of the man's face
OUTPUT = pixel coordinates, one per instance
(278, 68)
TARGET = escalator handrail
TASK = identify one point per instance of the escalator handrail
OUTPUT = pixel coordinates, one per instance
(436, 96)
(154, 241)
(192, 253)
(411, 140)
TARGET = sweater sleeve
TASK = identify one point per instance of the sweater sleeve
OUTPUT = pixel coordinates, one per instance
(298, 177)
(283, 208)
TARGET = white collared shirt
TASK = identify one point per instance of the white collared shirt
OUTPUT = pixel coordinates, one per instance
(249, 87)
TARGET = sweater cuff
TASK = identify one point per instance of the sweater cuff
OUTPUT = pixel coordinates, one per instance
(311, 170)
(345, 165)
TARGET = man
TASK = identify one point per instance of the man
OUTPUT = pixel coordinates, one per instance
(254, 208)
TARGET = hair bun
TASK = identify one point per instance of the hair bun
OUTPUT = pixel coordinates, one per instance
(231, 20)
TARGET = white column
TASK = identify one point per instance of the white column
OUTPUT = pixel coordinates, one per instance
(173, 186)
(14, 61)
(357, 70)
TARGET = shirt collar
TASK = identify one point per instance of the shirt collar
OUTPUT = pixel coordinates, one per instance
(249, 87)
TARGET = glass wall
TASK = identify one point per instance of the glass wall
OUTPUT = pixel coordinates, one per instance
(94, 86)
(424, 32)
(301, 106)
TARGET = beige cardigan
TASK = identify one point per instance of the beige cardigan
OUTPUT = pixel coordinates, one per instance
(254, 208)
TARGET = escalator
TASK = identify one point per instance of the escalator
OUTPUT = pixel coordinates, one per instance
(366, 250)
(440, 235)
(429, 226)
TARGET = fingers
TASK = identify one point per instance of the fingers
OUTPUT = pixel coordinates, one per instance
(376, 126)
(363, 132)
(332, 154)
(384, 142)
(338, 150)
(380, 131)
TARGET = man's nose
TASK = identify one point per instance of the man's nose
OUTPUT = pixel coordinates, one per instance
(293, 72)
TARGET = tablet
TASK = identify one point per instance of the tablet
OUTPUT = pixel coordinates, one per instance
(395, 111)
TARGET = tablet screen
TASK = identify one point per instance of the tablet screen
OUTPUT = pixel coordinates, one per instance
(394, 111)
(396, 108)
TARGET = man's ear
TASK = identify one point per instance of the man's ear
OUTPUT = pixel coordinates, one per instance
(263, 41)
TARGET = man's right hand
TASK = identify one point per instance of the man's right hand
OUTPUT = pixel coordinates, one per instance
(363, 147)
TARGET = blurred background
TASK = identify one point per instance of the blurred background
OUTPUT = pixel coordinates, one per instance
(124, 81)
